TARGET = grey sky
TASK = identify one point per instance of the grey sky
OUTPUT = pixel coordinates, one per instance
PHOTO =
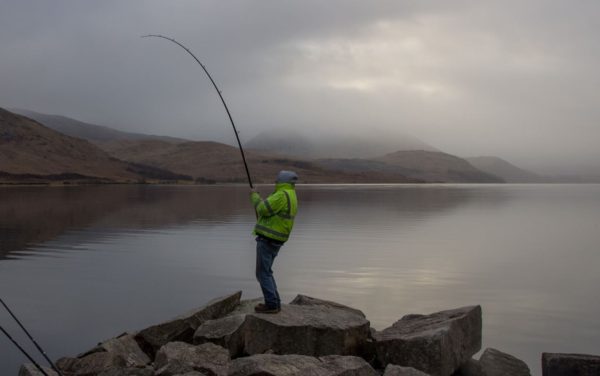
(517, 79)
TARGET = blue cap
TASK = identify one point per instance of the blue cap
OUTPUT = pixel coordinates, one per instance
(287, 177)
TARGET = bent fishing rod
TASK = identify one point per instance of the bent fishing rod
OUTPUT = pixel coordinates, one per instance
(32, 340)
(220, 96)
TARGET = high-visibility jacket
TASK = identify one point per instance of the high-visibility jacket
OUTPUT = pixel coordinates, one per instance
(276, 213)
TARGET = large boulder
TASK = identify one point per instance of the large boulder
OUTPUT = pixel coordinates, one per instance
(28, 369)
(124, 345)
(180, 357)
(309, 301)
(91, 365)
(227, 332)
(496, 363)
(183, 327)
(555, 364)
(392, 370)
(437, 344)
(471, 368)
(293, 365)
(314, 330)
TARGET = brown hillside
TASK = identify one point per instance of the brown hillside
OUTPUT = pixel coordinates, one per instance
(437, 167)
(29, 150)
(214, 162)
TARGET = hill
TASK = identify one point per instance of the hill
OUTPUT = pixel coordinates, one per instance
(351, 159)
(402, 155)
(436, 167)
(507, 171)
(30, 151)
(97, 134)
(210, 162)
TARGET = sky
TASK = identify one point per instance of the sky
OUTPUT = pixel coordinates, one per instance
(515, 79)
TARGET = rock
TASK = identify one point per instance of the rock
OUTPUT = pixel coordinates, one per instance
(174, 368)
(226, 332)
(130, 371)
(497, 363)
(125, 346)
(314, 330)
(29, 369)
(245, 307)
(275, 365)
(183, 327)
(392, 370)
(555, 364)
(307, 301)
(91, 365)
(287, 365)
(346, 366)
(470, 368)
(437, 344)
(179, 357)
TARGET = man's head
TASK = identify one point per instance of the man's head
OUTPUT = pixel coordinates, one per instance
(287, 177)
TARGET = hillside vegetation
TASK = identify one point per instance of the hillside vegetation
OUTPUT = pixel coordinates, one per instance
(31, 151)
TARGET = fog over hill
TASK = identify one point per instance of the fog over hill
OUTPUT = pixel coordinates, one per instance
(335, 144)
(347, 153)
(506, 170)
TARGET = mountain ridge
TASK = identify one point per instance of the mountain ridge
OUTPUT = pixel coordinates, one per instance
(502, 168)
(209, 161)
(95, 133)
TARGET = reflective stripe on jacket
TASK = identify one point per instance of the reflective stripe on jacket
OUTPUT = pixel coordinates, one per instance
(276, 213)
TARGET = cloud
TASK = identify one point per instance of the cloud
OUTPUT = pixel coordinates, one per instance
(515, 79)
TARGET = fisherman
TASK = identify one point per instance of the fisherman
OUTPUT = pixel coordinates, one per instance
(275, 219)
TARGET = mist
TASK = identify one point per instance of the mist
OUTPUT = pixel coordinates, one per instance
(511, 79)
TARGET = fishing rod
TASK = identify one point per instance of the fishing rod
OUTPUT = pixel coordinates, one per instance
(32, 340)
(220, 96)
(23, 351)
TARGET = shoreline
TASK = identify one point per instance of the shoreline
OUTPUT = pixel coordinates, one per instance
(309, 336)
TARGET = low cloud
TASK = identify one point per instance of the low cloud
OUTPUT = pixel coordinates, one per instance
(514, 79)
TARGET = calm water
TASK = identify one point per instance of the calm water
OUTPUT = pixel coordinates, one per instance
(82, 264)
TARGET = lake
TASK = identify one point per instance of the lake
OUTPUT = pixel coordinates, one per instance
(84, 263)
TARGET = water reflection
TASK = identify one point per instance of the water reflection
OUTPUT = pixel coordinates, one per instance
(33, 215)
(84, 263)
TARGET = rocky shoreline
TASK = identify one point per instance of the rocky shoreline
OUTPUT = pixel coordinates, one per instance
(309, 336)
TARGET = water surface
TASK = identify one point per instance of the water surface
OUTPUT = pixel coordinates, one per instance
(82, 264)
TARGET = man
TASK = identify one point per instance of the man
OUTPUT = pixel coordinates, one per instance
(275, 219)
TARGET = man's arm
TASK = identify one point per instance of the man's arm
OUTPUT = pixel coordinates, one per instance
(269, 206)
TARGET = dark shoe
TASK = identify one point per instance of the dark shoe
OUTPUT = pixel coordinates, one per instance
(262, 308)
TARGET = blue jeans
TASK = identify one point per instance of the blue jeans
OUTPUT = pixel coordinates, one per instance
(266, 252)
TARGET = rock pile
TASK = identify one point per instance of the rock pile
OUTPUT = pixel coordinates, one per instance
(308, 337)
